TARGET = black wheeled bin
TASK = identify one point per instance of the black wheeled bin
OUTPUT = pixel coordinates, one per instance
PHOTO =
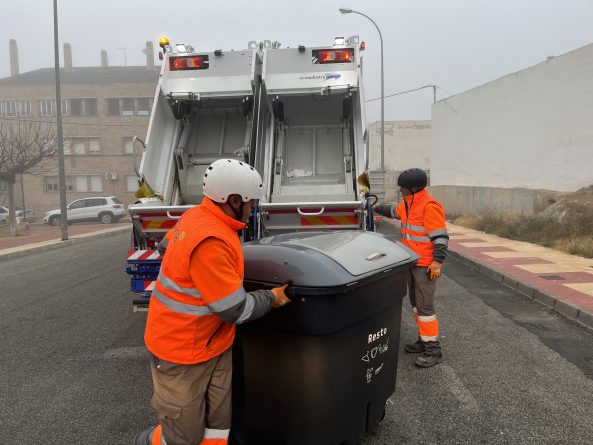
(319, 370)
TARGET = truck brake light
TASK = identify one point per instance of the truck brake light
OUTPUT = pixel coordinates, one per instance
(189, 63)
(321, 56)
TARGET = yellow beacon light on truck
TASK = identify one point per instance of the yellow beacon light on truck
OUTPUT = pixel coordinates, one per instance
(163, 41)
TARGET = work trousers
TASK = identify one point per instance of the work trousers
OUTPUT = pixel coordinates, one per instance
(422, 294)
(193, 402)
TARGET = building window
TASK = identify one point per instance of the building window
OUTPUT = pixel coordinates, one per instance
(96, 183)
(24, 108)
(52, 184)
(79, 146)
(143, 106)
(131, 183)
(82, 184)
(90, 107)
(128, 146)
(78, 183)
(83, 107)
(76, 107)
(8, 108)
(127, 106)
(113, 107)
(83, 146)
(94, 146)
(47, 107)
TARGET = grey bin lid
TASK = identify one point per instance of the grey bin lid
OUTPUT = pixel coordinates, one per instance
(323, 259)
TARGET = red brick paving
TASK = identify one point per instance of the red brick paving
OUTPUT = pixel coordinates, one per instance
(40, 233)
(508, 267)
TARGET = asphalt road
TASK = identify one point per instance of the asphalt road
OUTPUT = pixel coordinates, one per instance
(74, 369)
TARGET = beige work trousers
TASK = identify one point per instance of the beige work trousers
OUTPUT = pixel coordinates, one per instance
(190, 398)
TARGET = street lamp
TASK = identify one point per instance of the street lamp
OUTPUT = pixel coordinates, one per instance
(351, 11)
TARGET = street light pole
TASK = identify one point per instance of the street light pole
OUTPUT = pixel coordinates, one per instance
(63, 213)
(351, 11)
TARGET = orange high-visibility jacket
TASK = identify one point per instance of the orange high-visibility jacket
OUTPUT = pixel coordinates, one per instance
(200, 285)
(422, 224)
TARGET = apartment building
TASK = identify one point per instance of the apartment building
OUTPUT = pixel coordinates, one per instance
(103, 107)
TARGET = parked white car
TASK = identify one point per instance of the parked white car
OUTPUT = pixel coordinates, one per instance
(30, 215)
(104, 209)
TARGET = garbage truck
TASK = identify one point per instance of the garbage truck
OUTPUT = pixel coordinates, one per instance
(295, 114)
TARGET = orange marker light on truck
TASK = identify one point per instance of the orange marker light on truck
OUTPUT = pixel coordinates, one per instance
(163, 41)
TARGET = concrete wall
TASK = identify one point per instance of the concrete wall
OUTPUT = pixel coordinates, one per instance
(531, 129)
(407, 145)
(459, 200)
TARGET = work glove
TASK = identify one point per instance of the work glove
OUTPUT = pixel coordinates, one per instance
(280, 296)
(434, 270)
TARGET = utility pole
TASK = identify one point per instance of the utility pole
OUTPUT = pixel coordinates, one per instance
(62, 176)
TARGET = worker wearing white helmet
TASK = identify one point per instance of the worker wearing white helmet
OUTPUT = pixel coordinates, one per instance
(197, 300)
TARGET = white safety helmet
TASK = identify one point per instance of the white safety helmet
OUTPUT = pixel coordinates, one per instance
(227, 177)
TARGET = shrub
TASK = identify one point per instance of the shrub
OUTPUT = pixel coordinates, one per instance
(573, 236)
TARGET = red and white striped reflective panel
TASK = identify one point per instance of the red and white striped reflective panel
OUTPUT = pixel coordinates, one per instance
(149, 285)
(144, 255)
(158, 221)
(329, 220)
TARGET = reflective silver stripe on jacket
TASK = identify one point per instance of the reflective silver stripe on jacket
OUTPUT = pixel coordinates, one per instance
(169, 284)
(229, 301)
(210, 433)
(444, 241)
(414, 228)
(437, 232)
(182, 308)
(419, 239)
(238, 305)
(247, 310)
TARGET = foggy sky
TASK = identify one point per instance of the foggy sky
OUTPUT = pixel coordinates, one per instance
(455, 44)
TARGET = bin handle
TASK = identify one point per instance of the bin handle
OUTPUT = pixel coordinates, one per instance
(375, 255)
(171, 216)
(312, 213)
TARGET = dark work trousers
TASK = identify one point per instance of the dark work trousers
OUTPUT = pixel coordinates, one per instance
(422, 294)
(193, 402)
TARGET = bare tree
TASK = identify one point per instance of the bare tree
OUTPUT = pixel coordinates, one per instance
(23, 144)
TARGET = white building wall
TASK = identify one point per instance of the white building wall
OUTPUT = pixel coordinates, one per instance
(407, 145)
(531, 129)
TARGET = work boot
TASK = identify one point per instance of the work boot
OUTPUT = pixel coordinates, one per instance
(144, 437)
(429, 360)
(416, 348)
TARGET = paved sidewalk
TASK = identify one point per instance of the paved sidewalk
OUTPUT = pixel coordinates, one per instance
(558, 280)
(43, 237)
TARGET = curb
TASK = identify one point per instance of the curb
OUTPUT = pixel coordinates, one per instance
(533, 293)
(57, 244)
